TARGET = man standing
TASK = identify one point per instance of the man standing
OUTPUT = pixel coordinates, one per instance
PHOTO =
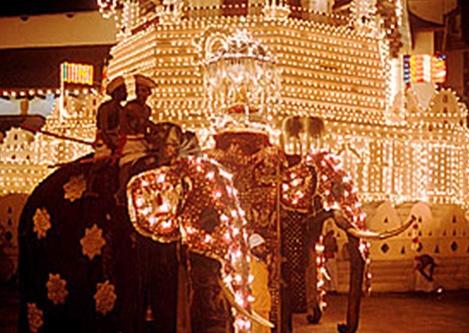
(425, 267)
(260, 283)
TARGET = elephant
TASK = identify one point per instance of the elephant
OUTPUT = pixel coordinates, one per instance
(89, 265)
(84, 268)
(167, 203)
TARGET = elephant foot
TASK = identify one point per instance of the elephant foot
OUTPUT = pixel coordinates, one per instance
(315, 316)
(342, 328)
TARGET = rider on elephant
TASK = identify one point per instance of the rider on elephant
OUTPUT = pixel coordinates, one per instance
(109, 113)
(135, 124)
(108, 127)
(135, 121)
(143, 90)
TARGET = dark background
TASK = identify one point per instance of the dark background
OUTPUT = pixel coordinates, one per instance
(36, 7)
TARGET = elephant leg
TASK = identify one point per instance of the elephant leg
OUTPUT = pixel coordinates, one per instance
(313, 231)
(158, 272)
(210, 311)
(357, 266)
(312, 297)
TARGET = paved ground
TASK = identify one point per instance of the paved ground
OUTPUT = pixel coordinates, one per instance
(381, 313)
(398, 313)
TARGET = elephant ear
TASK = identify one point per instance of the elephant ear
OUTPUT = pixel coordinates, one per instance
(154, 197)
(336, 187)
(337, 191)
(213, 224)
(195, 201)
(211, 220)
(299, 184)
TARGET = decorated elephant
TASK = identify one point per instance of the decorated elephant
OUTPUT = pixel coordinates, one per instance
(274, 191)
(84, 268)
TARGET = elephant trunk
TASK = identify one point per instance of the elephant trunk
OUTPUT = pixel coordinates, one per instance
(357, 266)
(369, 235)
(251, 315)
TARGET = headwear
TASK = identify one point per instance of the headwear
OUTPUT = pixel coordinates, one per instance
(114, 84)
(143, 80)
(255, 240)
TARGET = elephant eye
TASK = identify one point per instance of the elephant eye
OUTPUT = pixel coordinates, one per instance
(337, 189)
(158, 199)
(209, 219)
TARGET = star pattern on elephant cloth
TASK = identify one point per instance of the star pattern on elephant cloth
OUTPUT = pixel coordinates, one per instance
(105, 297)
(42, 224)
(92, 242)
(74, 188)
(56, 289)
(35, 318)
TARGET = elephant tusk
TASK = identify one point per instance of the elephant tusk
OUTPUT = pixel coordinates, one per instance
(252, 315)
(373, 235)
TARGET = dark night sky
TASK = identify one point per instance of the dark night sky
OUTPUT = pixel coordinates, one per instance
(35, 7)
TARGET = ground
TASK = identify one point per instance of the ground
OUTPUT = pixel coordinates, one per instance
(381, 313)
(398, 313)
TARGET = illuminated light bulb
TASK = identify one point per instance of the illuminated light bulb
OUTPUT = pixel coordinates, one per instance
(228, 279)
(296, 182)
(139, 202)
(210, 175)
(225, 174)
(319, 248)
(335, 205)
(161, 178)
(239, 299)
(152, 220)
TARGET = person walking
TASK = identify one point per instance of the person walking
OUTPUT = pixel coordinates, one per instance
(260, 284)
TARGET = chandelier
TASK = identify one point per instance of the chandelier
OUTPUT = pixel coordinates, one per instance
(240, 75)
